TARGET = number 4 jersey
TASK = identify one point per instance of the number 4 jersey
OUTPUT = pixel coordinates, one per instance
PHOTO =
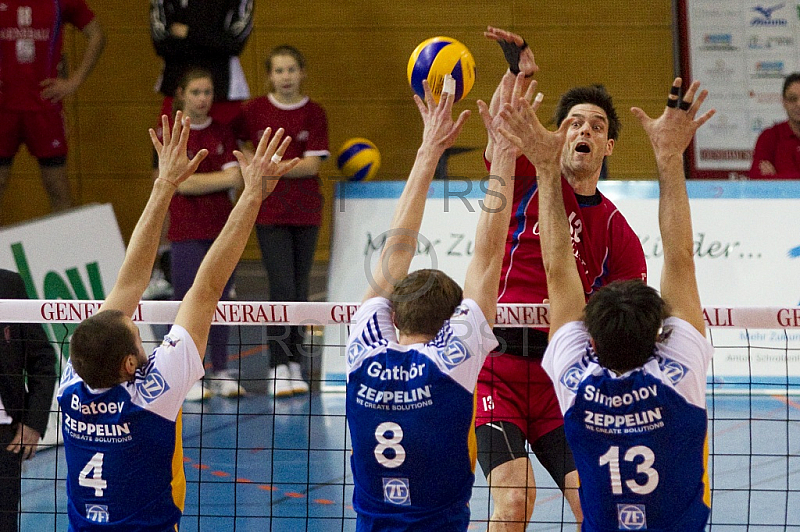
(640, 439)
(410, 409)
(123, 444)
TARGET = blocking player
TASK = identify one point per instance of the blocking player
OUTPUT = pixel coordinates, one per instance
(122, 409)
(516, 401)
(630, 366)
(410, 402)
(31, 89)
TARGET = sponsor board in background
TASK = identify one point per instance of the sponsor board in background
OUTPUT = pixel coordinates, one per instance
(71, 255)
(747, 253)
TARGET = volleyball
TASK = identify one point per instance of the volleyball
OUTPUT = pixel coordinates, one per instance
(358, 159)
(434, 58)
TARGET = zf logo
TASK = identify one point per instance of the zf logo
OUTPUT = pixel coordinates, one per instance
(674, 371)
(356, 350)
(97, 513)
(454, 354)
(153, 386)
(572, 377)
(631, 517)
(395, 491)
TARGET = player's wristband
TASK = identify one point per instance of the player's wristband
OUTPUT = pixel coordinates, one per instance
(512, 52)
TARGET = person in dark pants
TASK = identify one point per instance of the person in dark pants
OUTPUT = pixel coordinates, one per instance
(26, 356)
(289, 220)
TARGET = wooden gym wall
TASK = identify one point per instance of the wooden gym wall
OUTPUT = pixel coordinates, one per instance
(357, 53)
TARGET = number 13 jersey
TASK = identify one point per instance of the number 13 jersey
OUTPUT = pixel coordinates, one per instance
(640, 439)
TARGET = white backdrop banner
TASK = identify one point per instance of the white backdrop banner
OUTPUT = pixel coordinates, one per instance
(747, 252)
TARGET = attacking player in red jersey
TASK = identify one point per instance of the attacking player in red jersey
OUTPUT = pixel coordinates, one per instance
(31, 90)
(517, 404)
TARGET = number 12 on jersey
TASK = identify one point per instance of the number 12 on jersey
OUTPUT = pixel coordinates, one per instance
(611, 458)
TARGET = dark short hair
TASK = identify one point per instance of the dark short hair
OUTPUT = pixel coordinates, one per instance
(188, 77)
(592, 94)
(424, 300)
(794, 77)
(98, 347)
(285, 49)
(623, 319)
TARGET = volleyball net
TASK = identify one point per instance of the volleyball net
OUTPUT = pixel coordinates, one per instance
(258, 462)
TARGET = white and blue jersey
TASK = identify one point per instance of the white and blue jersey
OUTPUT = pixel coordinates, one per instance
(411, 412)
(639, 439)
(123, 444)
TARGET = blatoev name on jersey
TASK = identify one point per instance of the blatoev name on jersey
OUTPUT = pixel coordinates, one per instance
(96, 432)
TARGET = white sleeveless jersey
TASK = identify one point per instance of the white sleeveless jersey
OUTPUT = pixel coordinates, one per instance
(640, 439)
(411, 409)
(123, 444)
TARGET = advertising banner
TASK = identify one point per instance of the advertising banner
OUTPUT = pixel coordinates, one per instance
(747, 254)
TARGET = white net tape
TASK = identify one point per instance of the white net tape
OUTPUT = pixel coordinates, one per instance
(332, 313)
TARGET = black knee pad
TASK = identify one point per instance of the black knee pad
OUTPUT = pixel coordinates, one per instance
(50, 162)
(555, 455)
(499, 442)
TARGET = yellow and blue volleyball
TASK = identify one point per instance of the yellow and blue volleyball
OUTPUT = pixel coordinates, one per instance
(438, 56)
(358, 159)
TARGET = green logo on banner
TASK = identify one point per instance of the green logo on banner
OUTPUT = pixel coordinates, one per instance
(56, 287)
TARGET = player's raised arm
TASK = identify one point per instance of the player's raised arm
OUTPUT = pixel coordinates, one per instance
(483, 273)
(439, 133)
(260, 176)
(543, 148)
(519, 57)
(670, 135)
(174, 167)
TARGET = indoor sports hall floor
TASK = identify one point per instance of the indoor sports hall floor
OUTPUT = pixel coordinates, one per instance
(256, 464)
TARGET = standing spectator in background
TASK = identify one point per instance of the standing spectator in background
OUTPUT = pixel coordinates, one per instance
(208, 34)
(289, 220)
(30, 90)
(26, 356)
(777, 153)
(198, 212)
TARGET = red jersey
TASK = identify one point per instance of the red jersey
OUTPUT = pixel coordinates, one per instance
(203, 217)
(606, 247)
(780, 146)
(30, 47)
(294, 201)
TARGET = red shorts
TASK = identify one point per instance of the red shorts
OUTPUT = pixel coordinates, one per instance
(516, 389)
(221, 112)
(43, 132)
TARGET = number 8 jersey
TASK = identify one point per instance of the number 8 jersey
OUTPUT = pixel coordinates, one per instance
(410, 409)
(640, 439)
(123, 444)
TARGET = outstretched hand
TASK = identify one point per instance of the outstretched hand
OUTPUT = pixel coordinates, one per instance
(510, 93)
(524, 130)
(526, 62)
(671, 133)
(264, 169)
(174, 165)
(440, 129)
